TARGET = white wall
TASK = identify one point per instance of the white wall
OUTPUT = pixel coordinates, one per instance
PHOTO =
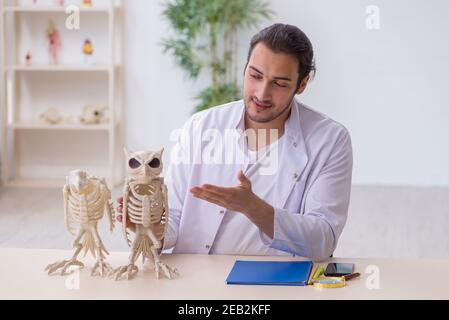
(387, 86)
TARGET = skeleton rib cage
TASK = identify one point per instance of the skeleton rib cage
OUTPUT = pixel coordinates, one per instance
(85, 208)
(144, 204)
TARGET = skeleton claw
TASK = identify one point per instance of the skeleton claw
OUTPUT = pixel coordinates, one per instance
(63, 265)
(128, 271)
(101, 268)
(168, 271)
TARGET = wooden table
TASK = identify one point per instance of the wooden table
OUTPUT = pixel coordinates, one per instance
(203, 278)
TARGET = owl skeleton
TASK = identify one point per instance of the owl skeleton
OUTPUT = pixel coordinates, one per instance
(145, 204)
(85, 200)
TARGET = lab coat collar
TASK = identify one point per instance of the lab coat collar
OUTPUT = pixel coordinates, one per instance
(239, 121)
(293, 125)
(293, 159)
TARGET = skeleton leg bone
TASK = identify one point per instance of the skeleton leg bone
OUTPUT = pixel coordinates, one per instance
(131, 269)
(101, 267)
(169, 271)
(65, 264)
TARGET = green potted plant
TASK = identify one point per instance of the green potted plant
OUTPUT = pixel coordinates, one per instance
(205, 39)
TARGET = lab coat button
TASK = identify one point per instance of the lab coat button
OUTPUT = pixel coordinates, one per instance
(222, 211)
(207, 246)
(295, 176)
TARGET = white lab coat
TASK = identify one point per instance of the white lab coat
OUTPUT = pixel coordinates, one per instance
(312, 188)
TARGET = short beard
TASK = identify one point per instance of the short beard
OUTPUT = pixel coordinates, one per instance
(274, 117)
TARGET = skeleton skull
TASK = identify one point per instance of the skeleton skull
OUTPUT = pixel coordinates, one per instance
(93, 115)
(51, 116)
(144, 166)
(78, 179)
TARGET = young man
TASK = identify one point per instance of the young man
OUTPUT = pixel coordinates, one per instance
(290, 194)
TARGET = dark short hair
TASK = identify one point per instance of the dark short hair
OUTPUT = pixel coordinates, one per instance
(287, 39)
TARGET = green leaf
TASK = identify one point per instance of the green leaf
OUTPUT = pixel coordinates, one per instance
(211, 97)
(185, 56)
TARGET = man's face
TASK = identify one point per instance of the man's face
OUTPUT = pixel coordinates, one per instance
(270, 84)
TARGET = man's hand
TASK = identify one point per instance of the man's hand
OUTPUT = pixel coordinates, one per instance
(240, 199)
(131, 226)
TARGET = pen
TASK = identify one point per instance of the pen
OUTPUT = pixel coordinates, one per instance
(351, 276)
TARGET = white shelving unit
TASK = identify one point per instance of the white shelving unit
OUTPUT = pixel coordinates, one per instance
(43, 8)
(36, 154)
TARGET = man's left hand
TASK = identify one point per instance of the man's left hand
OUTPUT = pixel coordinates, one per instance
(240, 199)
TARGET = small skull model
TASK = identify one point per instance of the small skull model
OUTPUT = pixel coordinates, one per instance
(51, 116)
(145, 204)
(85, 200)
(93, 115)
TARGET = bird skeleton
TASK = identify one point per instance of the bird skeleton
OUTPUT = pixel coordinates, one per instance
(145, 204)
(85, 200)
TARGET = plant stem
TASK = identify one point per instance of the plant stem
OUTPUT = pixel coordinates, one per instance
(235, 60)
(214, 56)
(225, 56)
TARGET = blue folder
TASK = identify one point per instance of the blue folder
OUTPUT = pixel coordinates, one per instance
(285, 273)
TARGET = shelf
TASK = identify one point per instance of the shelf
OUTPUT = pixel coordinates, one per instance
(46, 183)
(75, 127)
(63, 68)
(42, 9)
(36, 183)
(39, 154)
